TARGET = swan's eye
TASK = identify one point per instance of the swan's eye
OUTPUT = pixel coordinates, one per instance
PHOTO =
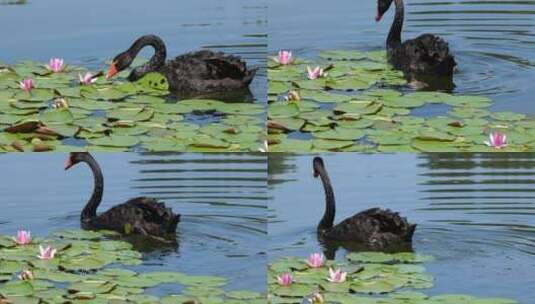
(121, 61)
(118, 63)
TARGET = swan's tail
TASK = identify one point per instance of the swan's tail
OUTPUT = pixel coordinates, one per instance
(405, 230)
(438, 50)
(249, 75)
(173, 222)
(170, 219)
(409, 232)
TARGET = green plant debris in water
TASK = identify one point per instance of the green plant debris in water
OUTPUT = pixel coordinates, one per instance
(117, 116)
(362, 105)
(90, 267)
(372, 278)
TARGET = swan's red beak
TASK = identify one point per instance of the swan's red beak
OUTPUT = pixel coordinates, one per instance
(111, 71)
(68, 163)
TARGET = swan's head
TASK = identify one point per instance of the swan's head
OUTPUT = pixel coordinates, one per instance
(119, 63)
(317, 164)
(382, 7)
(74, 158)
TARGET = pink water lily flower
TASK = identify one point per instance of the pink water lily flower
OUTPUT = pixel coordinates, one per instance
(55, 65)
(23, 237)
(87, 79)
(315, 73)
(497, 140)
(26, 275)
(315, 260)
(26, 84)
(284, 57)
(47, 253)
(337, 276)
(285, 279)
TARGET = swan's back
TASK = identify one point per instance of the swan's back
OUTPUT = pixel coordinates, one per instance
(425, 55)
(207, 71)
(377, 227)
(140, 215)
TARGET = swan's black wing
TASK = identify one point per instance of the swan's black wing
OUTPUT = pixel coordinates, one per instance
(153, 210)
(140, 215)
(425, 55)
(391, 222)
(207, 71)
(377, 226)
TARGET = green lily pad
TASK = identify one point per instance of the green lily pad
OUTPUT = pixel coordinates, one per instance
(282, 110)
(63, 116)
(95, 287)
(154, 81)
(115, 141)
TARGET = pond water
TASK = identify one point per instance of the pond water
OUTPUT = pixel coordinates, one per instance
(475, 212)
(493, 41)
(221, 197)
(89, 33)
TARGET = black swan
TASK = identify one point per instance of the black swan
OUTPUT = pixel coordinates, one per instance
(375, 228)
(199, 72)
(140, 215)
(425, 57)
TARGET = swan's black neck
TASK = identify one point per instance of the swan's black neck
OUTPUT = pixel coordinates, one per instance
(394, 36)
(327, 220)
(90, 209)
(157, 60)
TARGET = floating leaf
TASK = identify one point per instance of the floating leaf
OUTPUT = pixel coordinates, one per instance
(115, 141)
(155, 81)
